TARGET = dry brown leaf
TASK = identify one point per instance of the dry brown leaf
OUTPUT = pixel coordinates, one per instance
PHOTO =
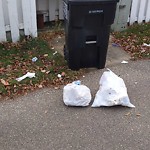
(128, 114)
(4, 82)
(138, 115)
(40, 86)
(63, 74)
(47, 72)
(56, 88)
(43, 71)
(45, 55)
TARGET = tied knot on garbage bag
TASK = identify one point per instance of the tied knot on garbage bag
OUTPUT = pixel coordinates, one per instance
(112, 91)
(76, 94)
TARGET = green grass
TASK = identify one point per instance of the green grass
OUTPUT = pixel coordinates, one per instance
(133, 38)
(136, 29)
(16, 60)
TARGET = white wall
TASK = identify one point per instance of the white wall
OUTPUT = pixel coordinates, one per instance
(42, 5)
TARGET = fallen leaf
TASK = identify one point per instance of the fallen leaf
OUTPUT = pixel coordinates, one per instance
(128, 114)
(143, 51)
(56, 88)
(43, 71)
(2, 70)
(40, 86)
(47, 72)
(63, 74)
(4, 82)
(45, 55)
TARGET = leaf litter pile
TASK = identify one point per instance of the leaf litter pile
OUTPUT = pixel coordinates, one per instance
(34, 56)
(135, 40)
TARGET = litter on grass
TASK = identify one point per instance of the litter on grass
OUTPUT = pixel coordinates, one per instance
(59, 75)
(112, 91)
(55, 53)
(76, 94)
(145, 44)
(115, 45)
(34, 59)
(27, 75)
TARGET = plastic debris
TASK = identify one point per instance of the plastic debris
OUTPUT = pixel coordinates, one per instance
(115, 45)
(59, 75)
(112, 91)
(34, 59)
(75, 94)
(55, 53)
(28, 74)
(124, 62)
(145, 44)
(78, 82)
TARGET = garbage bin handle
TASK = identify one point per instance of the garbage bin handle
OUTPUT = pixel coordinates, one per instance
(91, 42)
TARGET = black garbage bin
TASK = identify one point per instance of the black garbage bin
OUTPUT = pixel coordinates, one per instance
(87, 30)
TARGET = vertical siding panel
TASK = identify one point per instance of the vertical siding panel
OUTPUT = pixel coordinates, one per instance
(141, 15)
(61, 17)
(13, 17)
(133, 14)
(147, 18)
(29, 17)
(2, 24)
(26, 16)
(33, 18)
(52, 10)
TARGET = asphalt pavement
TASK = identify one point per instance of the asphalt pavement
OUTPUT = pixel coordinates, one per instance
(41, 121)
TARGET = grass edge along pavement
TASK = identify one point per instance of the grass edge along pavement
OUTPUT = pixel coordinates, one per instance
(50, 69)
(132, 40)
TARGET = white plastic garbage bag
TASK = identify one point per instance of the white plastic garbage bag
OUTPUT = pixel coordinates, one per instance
(112, 91)
(75, 94)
